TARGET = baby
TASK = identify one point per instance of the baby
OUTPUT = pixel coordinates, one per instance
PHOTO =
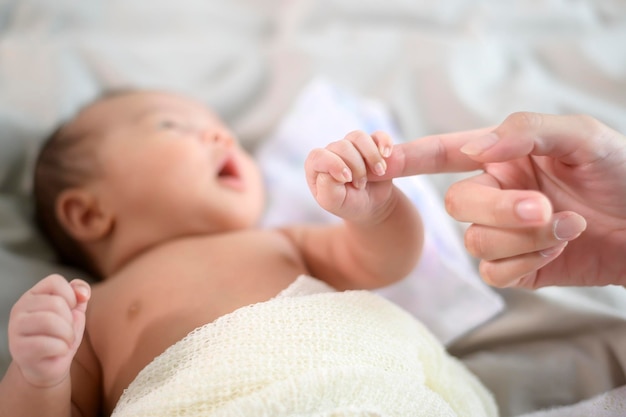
(150, 192)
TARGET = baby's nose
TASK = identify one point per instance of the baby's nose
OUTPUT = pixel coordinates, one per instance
(217, 137)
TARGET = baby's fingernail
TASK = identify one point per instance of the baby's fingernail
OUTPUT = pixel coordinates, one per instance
(380, 168)
(346, 174)
(83, 289)
(386, 151)
(570, 227)
(554, 250)
(532, 210)
(480, 145)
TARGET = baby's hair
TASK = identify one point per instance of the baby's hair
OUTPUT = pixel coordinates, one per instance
(64, 162)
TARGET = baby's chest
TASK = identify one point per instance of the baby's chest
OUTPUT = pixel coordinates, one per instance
(138, 317)
(189, 287)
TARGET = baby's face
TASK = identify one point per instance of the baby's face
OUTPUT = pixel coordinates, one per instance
(169, 166)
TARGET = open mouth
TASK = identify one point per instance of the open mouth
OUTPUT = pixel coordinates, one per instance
(228, 169)
(229, 174)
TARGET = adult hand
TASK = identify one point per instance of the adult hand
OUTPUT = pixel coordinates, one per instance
(548, 208)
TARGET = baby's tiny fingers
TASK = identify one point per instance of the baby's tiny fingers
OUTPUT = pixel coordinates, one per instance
(55, 285)
(384, 142)
(329, 194)
(41, 347)
(45, 302)
(369, 148)
(325, 161)
(45, 323)
(82, 291)
(351, 156)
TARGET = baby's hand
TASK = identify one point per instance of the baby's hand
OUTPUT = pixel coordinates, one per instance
(46, 327)
(337, 175)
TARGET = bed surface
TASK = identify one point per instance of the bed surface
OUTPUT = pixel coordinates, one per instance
(437, 67)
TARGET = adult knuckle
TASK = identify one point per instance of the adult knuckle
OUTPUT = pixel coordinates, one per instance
(525, 120)
(597, 130)
(589, 121)
(451, 200)
(487, 273)
(441, 153)
(474, 242)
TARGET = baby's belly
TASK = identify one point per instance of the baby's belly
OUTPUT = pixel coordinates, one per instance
(144, 326)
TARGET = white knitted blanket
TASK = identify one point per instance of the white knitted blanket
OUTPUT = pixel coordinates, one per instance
(308, 352)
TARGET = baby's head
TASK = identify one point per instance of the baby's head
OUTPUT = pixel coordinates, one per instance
(135, 169)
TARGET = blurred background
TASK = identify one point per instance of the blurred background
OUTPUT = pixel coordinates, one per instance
(441, 66)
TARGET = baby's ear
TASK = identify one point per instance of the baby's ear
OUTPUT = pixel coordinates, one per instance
(82, 215)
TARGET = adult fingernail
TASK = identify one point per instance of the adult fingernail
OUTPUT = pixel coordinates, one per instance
(480, 145)
(569, 227)
(532, 209)
(554, 250)
(386, 151)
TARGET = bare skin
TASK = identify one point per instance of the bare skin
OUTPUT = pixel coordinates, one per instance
(171, 226)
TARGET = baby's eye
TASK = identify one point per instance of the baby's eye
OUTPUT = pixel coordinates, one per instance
(168, 124)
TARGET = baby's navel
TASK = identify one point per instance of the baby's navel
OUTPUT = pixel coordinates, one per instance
(133, 310)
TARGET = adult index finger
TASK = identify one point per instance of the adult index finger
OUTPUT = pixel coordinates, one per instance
(432, 154)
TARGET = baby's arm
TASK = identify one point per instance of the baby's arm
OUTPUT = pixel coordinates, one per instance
(45, 329)
(381, 237)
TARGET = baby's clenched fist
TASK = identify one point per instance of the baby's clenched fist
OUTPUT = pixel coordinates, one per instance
(338, 174)
(46, 327)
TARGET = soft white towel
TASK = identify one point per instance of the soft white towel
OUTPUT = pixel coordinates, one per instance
(308, 352)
